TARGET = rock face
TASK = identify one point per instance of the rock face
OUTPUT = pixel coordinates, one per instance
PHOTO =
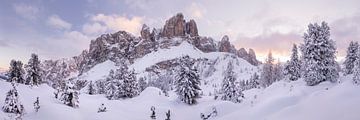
(191, 28)
(176, 26)
(248, 56)
(205, 44)
(252, 58)
(145, 32)
(225, 46)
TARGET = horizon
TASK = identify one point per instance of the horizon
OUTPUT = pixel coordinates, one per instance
(45, 28)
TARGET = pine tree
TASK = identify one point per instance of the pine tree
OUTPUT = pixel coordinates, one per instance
(70, 96)
(142, 83)
(12, 103)
(356, 77)
(91, 88)
(187, 83)
(293, 66)
(130, 85)
(229, 89)
(278, 71)
(351, 57)
(16, 72)
(111, 86)
(33, 70)
(318, 55)
(267, 73)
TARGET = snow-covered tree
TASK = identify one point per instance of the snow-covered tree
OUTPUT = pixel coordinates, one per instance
(267, 73)
(292, 68)
(101, 88)
(278, 71)
(33, 71)
(37, 104)
(142, 83)
(356, 77)
(230, 91)
(111, 86)
(318, 55)
(130, 86)
(16, 72)
(187, 82)
(70, 96)
(351, 57)
(12, 103)
(91, 88)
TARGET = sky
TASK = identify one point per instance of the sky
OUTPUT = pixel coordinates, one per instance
(63, 28)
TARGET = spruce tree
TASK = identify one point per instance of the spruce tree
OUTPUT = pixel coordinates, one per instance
(142, 83)
(356, 77)
(318, 55)
(33, 70)
(230, 92)
(351, 57)
(111, 86)
(12, 103)
(267, 73)
(187, 82)
(130, 85)
(16, 72)
(293, 66)
(91, 88)
(278, 71)
(70, 96)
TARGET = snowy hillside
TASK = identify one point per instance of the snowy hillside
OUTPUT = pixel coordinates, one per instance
(219, 60)
(280, 101)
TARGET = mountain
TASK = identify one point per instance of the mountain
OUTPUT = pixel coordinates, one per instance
(177, 35)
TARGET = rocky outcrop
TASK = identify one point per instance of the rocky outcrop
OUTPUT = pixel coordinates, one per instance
(252, 58)
(205, 44)
(191, 28)
(248, 56)
(225, 46)
(176, 26)
(145, 32)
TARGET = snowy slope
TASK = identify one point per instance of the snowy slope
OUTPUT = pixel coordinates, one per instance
(98, 72)
(280, 101)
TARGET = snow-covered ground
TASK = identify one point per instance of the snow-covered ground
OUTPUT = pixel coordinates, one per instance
(281, 101)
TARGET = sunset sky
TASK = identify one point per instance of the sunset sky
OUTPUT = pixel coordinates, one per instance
(63, 28)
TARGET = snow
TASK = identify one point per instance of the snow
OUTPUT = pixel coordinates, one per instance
(100, 71)
(282, 100)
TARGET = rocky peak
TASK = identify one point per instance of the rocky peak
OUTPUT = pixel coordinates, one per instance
(225, 46)
(176, 26)
(145, 32)
(191, 28)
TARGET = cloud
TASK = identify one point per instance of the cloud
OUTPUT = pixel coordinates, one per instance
(280, 44)
(58, 23)
(345, 30)
(94, 28)
(26, 11)
(196, 10)
(116, 23)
